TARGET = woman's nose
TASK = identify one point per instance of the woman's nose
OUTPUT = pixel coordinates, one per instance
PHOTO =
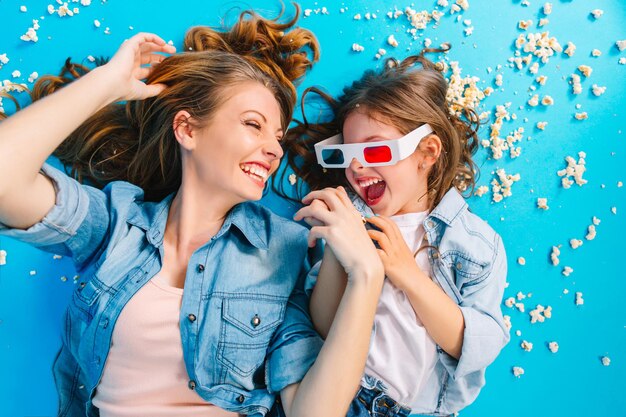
(274, 149)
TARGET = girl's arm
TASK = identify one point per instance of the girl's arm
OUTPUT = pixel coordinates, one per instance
(331, 383)
(30, 136)
(441, 316)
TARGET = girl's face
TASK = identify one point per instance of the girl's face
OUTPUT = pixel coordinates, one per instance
(239, 149)
(388, 190)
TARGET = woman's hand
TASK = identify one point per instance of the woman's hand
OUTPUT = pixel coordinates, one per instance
(335, 220)
(133, 62)
(397, 258)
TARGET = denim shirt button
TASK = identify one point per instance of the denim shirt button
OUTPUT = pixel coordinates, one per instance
(200, 268)
(240, 399)
(191, 317)
(435, 255)
(430, 224)
(256, 320)
(192, 384)
(105, 323)
(459, 266)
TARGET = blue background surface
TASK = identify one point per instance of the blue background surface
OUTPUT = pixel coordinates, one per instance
(571, 382)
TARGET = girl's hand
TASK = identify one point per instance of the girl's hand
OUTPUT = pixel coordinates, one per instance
(335, 220)
(397, 258)
(133, 62)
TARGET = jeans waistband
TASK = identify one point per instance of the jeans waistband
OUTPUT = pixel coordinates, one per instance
(373, 394)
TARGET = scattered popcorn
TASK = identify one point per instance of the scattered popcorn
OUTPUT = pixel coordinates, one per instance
(518, 332)
(442, 3)
(23, 9)
(579, 299)
(357, 16)
(482, 190)
(307, 12)
(547, 8)
(540, 314)
(468, 31)
(620, 184)
(3, 257)
(542, 203)
(462, 91)
(577, 87)
(541, 80)
(597, 90)
(534, 68)
(596, 53)
(357, 48)
(63, 278)
(96, 23)
(585, 70)
(606, 361)
(565, 291)
(31, 33)
(597, 13)
(292, 179)
(16, 74)
(33, 76)
(581, 116)
(520, 296)
(509, 302)
(518, 371)
(51, 9)
(622, 61)
(567, 271)
(575, 243)
(596, 221)
(33, 273)
(525, 24)
(542, 125)
(502, 188)
(391, 40)
(547, 101)
(507, 322)
(591, 232)
(4, 59)
(573, 169)
(57, 257)
(554, 255)
(571, 48)
(463, 3)
(521, 260)
(614, 210)
(520, 307)
(527, 346)
(553, 346)
(534, 101)
(543, 21)
(85, 2)
(621, 45)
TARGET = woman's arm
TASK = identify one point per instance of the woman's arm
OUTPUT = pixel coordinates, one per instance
(30, 136)
(331, 383)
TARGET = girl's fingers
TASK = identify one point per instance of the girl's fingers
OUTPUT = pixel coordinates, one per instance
(315, 211)
(151, 59)
(343, 196)
(327, 195)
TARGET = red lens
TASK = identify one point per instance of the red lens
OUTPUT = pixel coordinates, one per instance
(377, 154)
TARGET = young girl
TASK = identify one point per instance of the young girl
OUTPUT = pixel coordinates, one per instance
(188, 303)
(407, 158)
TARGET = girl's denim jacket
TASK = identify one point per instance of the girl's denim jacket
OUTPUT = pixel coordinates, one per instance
(468, 261)
(244, 321)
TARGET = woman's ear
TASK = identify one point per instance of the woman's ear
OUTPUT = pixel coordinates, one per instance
(431, 148)
(184, 130)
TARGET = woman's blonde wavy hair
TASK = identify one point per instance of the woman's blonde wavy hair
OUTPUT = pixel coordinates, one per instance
(134, 141)
(405, 95)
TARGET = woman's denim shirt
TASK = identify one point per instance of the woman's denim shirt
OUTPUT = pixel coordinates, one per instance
(244, 322)
(468, 262)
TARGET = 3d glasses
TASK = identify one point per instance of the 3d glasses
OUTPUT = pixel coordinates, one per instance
(333, 153)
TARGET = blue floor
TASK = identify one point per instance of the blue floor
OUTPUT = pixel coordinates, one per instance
(34, 286)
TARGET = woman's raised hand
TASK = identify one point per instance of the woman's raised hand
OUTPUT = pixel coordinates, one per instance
(133, 62)
(335, 220)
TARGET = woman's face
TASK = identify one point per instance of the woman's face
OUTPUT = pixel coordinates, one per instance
(240, 147)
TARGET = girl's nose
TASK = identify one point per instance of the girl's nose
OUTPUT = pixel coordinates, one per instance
(355, 164)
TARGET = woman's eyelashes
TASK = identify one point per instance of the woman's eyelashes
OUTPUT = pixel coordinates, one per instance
(253, 123)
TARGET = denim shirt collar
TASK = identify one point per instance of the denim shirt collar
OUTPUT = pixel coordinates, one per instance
(153, 217)
(450, 207)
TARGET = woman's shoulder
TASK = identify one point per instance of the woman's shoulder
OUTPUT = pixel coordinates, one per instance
(266, 220)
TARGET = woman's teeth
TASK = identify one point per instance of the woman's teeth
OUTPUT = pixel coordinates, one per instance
(255, 171)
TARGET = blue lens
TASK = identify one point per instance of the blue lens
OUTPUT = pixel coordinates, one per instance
(332, 156)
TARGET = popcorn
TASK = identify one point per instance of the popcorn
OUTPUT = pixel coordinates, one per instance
(502, 188)
(33, 76)
(577, 87)
(527, 346)
(541, 80)
(591, 232)
(597, 90)
(31, 33)
(534, 68)
(509, 302)
(547, 101)
(525, 24)
(442, 3)
(540, 314)
(596, 221)
(621, 45)
(521, 260)
(23, 9)
(540, 45)
(482, 190)
(357, 16)
(498, 80)
(3, 59)
(585, 70)
(507, 322)
(622, 61)
(575, 243)
(520, 296)
(581, 116)
(571, 48)
(96, 23)
(57, 257)
(518, 332)
(3, 257)
(542, 203)
(597, 13)
(462, 91)
(16, 74)
(357, 48)
(380, 53)
(614, 210)
(542, 125)
(606, 361)
(554, 255)
(391, 40)
(520, 307)
(32, 273)
(573, 169)
(547, 8)
(534, 101)
(579, 299)
(463, 3)
(567, 271)
(596, 53)
(518, 371)
(292, 179)
(543, 22)
(553, 346)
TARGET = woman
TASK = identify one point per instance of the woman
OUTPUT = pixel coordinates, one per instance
(188, 303)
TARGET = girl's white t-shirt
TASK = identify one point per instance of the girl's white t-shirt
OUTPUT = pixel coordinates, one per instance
(402, 354)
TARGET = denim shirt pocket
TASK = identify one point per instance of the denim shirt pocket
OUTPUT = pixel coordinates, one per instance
(80, 313)
(248, 324)
(459, 269)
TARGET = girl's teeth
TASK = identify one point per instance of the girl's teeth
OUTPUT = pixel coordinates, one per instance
(369, 182)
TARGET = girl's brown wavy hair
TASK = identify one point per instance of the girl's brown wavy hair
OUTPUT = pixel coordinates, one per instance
(405, 95)
(134, 141)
